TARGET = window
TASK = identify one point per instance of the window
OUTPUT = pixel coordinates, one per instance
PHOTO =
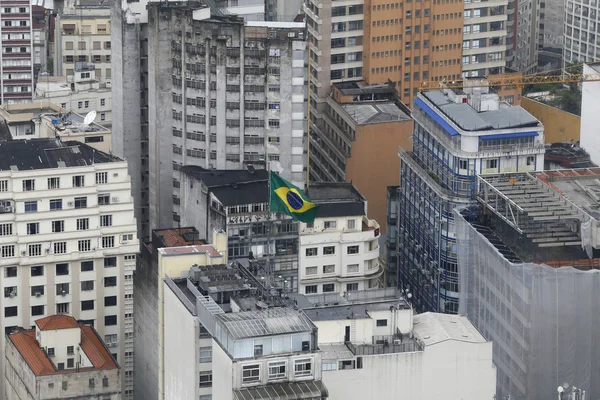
(34, 250)
(78, 181)
(60, 247)
(101, 177)
(87, 266)
(491, 164)
(328, 287)
(70, 350)
(58, 226)
(251, 373)
(330, 224)
(37, 290)
(103, 199)
(110, 281)
(353, 249)
(83, 224)
(102, 102)
(106, 220)
(110, 320)
(328, 269)
(206, 379)
(62, 289)
(33, 228)
(351, 287)
(4, 185)
(28, 185)
(258, 350)
(110, 262)
(311, 289)
(53, 183)
(37, 270)
(5, 229)
(105, 380)
(530, 160)
(63, 308)
(351, 224)
(352, 268)
(313, 251)
(30, 206)
(55, 204)
(37, 310)
(112, 338)
(8, 251)
(277, 370)
(205, 354)
(110, 301)
(10, 291)
(10, 311)
(62, 269)
(303, 367)
(312, 270)
(80, 202)
(87, 304)
(328, 250)
(108, 242)
(382, 322)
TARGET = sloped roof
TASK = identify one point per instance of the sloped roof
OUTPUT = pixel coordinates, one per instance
(433, 328)
(54, 322)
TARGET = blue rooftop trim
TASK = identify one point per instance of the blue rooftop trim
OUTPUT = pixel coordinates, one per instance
(509, 136)
(436, 117)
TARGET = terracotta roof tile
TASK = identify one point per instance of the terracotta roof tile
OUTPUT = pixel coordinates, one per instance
(54, 322)
(40, 364)
(173, 237)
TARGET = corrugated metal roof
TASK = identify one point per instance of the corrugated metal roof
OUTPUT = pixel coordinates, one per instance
(284, 391)
(510, 117)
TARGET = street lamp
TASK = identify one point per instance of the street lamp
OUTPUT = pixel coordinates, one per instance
(560, 391)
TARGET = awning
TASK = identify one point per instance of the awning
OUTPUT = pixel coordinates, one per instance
(68, 26)
(509, 136)
(309, 390)
(436, 117)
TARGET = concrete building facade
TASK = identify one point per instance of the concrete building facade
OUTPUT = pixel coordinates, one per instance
(170, 253)
(457, 136)
(60, 359)
(68, 240)
(339, 251)
(582, 42)
(16, 64)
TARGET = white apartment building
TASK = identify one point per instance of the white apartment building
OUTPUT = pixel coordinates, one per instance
(339, 251)
(68, 241)
(484, 38)
(377, 349)
(60, 350)
(264, 353)
(80, 93)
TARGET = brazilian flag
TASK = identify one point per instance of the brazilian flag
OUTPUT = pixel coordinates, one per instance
(288, 199)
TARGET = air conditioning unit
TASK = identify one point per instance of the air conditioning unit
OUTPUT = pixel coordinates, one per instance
(115, 199)
(23, 253)
(63, 293)
(48, 250)
(38, 294)
(12, 294)
(397, 341)
(70, 204)
(116, 174)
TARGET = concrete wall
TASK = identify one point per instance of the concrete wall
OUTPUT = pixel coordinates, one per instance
(559, 125)
(448, 370)
(374, 164)
(590, 117)
(180, 348)
(223, 369)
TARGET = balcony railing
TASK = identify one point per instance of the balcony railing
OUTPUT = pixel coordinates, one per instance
(386, 345)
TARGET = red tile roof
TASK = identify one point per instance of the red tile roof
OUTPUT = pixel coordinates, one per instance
(39, 362)
(54, 322)
(173, 237)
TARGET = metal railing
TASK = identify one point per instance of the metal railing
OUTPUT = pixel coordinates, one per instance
(393, 347)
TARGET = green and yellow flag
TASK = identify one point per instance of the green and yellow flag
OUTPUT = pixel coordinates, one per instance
(288, 199)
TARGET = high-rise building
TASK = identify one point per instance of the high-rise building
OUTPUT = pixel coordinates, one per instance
(16, 65)
(339, 250)
(236, 99)
(60, 358)
(457, 136)
(68, 240)
(582, 42)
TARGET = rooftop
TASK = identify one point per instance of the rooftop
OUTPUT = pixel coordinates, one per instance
(375, 112)
(356, 88)
(353, 311)
(208, 249)
(307, 390)
(217, 278)
(336, 199)
(175, 237)
(56, 322)
(22, 155)
(272, 321)
(432, 328)
(39, 363)
(468, 118)
(567, 155)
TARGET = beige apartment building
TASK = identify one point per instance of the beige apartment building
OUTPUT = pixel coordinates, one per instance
(83, 37)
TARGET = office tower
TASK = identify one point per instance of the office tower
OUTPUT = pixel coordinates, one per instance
(458, 134)
(582, 43)
(339, 250)
(17, 46)
(68, 240)
(236, 99)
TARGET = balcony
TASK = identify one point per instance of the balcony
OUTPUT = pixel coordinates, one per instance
(6, 207)
(386, 344)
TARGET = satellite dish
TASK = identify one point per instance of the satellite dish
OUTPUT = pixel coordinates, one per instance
(89, 118)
